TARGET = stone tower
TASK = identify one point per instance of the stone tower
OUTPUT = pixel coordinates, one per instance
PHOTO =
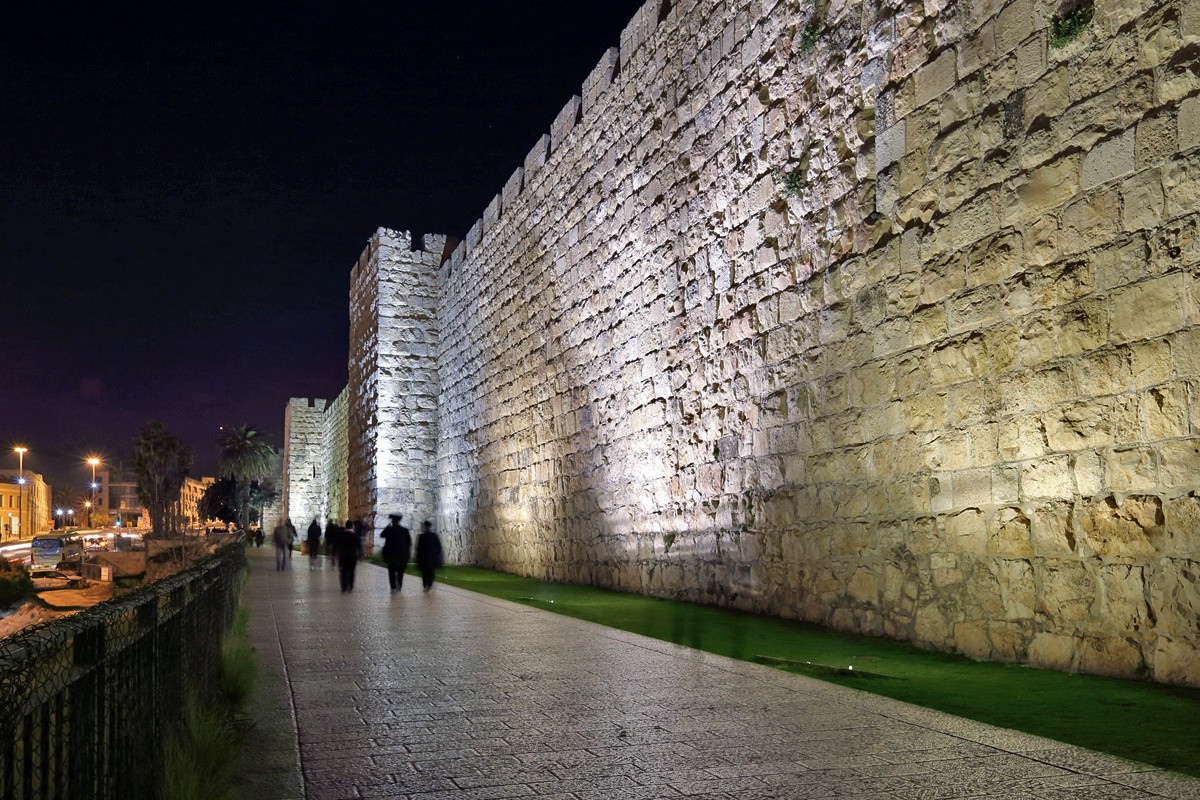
(303, 486)
(392, 406)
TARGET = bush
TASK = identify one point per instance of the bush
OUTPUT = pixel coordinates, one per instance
(793, 182)
(809, 36)
(15, 583)
(1065, 28)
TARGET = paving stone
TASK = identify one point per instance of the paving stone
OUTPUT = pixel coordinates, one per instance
(487, 700)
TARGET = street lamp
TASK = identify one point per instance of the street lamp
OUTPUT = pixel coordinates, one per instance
(93, 462)
(21, 451)
(88, 505)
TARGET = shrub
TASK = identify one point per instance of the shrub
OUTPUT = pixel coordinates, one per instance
(1065, 28)
(15, 583)
(808, 38)
(793, 182)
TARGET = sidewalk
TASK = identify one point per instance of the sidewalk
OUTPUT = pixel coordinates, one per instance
(451, 694)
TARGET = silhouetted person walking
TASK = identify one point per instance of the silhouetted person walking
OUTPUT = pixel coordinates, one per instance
(333, 538)
(429, 554)
(349, 549)
(397, 548)
(282, 536)
(292, 537)
(314, 544)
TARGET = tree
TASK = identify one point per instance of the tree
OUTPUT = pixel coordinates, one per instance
(262, 494)
(246, 457)
(161, 462)
(219, 501)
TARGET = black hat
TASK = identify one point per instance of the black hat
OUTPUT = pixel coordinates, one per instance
(394, 517)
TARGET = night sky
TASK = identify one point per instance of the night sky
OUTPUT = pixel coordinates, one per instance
(184, 188)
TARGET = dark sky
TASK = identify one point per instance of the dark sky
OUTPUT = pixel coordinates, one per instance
(185, 186)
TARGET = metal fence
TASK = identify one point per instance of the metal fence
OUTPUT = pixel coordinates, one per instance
(87, 701)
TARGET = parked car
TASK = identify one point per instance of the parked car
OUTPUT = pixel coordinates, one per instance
(46, 579)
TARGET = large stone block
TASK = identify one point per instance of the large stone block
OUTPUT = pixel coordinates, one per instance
(1175, 660)
(936, 77)
(1149, 308)
(1054, 528)
(1009, 533)
(1052, 651)
(1114, 656)
(1188, 123)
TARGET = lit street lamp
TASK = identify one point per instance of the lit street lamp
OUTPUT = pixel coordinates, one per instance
(93, 462)
(88, 505)
(58, 512)
(21, 451)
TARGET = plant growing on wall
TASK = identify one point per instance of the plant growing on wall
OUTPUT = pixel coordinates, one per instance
(793, 182)
(1066, 27)
(809, 36)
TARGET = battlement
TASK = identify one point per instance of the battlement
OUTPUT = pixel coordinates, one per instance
(399, 243)
(578, 108)
(302, 404)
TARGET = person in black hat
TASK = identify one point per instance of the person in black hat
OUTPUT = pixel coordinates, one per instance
(429, 554)
(348, 552)
(397, 547)
(314, 544)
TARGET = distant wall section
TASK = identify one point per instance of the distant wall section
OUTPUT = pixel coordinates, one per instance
(304, 477)
(315, 465)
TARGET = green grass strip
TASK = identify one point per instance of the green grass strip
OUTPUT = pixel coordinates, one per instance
(1139, 720)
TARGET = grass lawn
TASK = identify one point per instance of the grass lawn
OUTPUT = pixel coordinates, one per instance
(1147, 722)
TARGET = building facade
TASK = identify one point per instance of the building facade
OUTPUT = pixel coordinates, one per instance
(187, 509)
(25, 509)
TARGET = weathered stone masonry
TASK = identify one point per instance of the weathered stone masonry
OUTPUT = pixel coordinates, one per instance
(393, 380)
(878, 314)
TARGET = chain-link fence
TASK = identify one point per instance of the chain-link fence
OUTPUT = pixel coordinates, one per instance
(86, 701)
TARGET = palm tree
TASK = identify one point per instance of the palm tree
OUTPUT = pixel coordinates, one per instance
(161, 462)
(246, 457)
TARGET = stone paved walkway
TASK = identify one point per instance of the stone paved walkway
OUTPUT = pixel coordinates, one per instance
(451, 694)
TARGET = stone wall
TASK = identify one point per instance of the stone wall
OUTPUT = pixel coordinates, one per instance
(304, 483)
(314, 476)
(334, 458)
(393, 382)
(276, 511)
(877, 314)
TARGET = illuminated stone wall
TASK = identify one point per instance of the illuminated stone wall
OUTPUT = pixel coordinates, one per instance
(877, 314)
(391, 404)
(334, 458)
(314, 480)
(304, 484)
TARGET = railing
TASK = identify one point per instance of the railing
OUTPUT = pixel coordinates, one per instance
(87, 701)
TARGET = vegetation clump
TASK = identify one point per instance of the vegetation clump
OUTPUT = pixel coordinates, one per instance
(793, 182)
(809, 36)
(1065, 28)
(201, 758)
(15, 583)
